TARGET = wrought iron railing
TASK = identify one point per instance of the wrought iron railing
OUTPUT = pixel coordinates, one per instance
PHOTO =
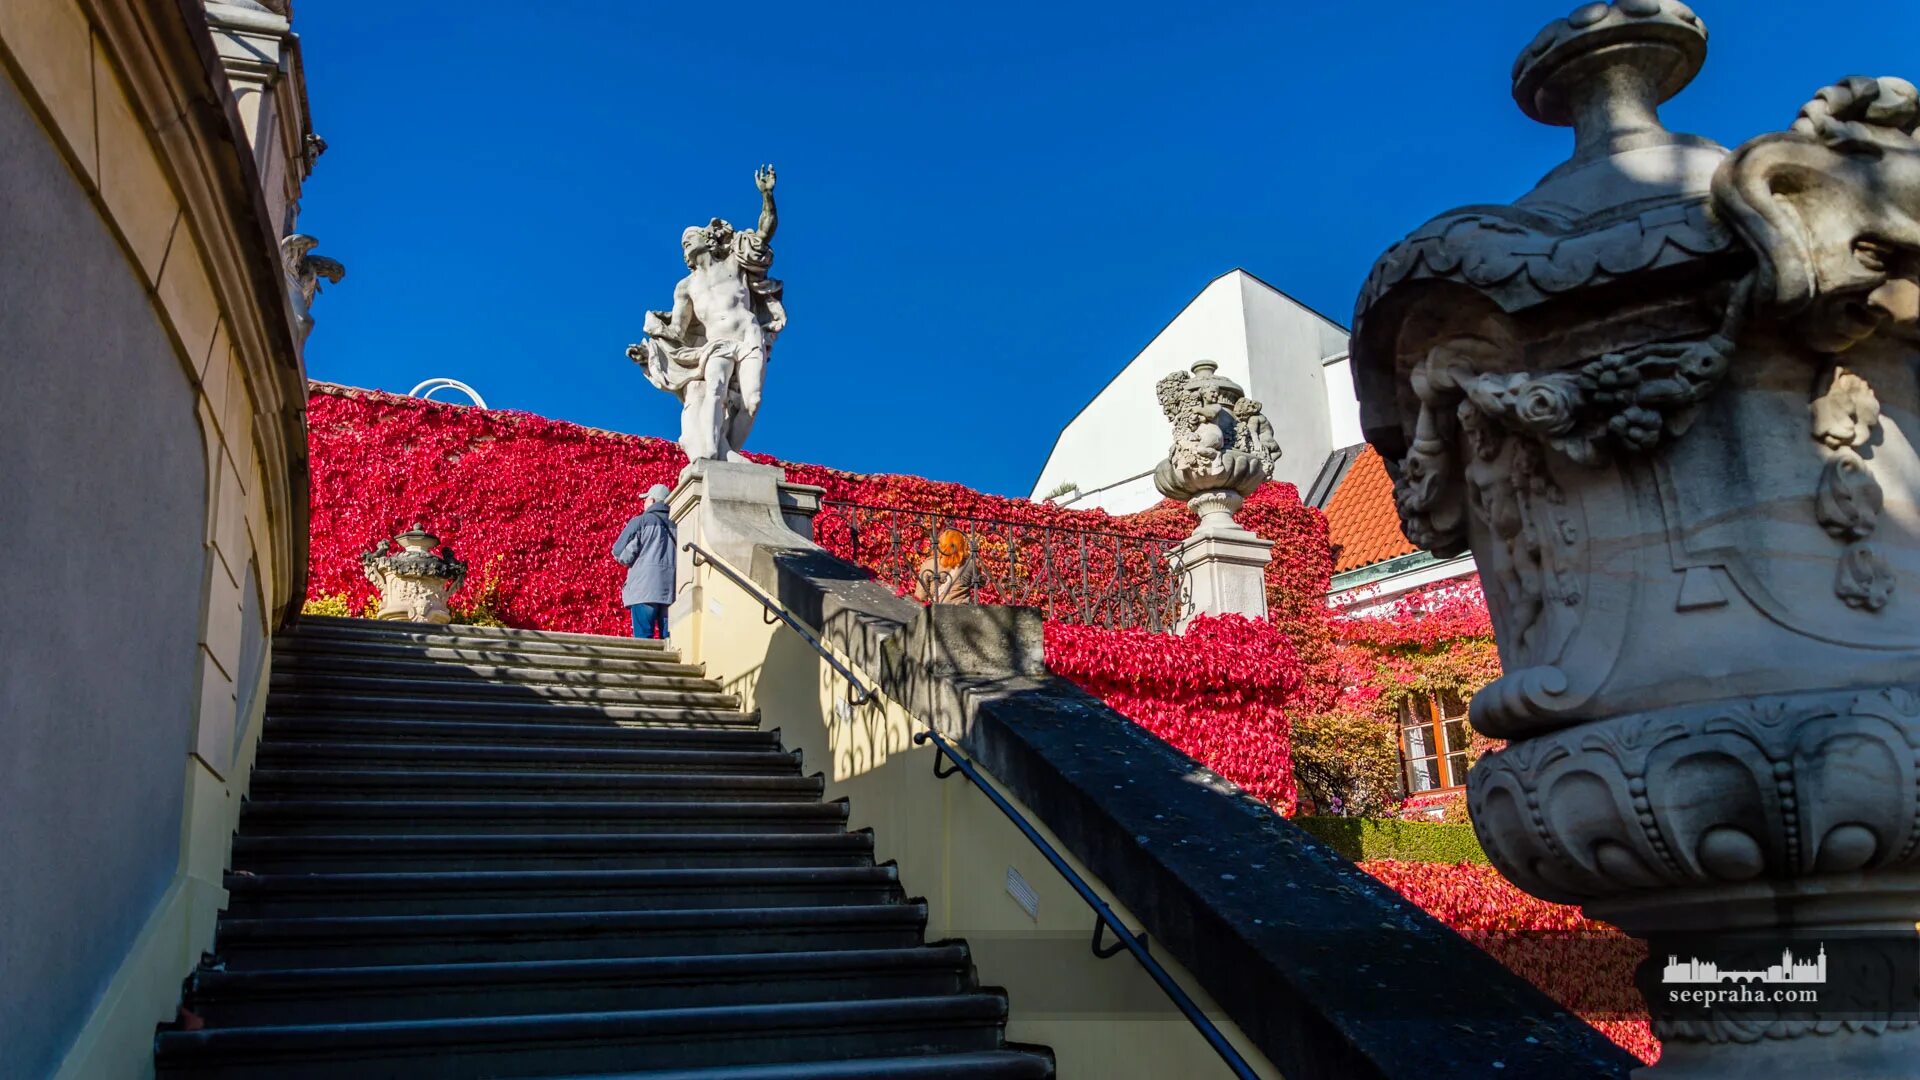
(1088, 577)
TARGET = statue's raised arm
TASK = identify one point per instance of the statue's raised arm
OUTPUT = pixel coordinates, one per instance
(769, 217)
(710, 350)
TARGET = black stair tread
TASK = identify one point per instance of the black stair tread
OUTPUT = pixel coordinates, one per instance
(547, 850)
(350, 926)
(540, 710)
(665, 842)
(475, 1046)
(473, 892)
(494, 809)
(335, 683)
(397, 732)
(341, 649)
(315, 626)
(210, 984)
(427, 785)
(295, 816)
(301, 665)
(315, 995)
(677, 841)
(251, 944)
(1013, 1063)
(667, 1023)
(555, 879)
(296, 751)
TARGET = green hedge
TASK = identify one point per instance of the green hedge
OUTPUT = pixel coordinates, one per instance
(1391, 838)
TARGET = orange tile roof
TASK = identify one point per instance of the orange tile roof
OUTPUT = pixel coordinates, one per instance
(1361, 521)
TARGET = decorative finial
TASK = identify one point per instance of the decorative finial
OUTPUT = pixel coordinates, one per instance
(1604, 69)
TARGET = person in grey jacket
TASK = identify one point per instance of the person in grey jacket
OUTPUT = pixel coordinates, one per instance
(648, 547)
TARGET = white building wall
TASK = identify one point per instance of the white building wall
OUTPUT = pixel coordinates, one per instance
(1343, 408)
(1262, 339)
(1122, 432)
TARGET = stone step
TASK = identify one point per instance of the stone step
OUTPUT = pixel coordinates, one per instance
(425, 785)
(548, 851)
(309, 817)
(472, 852)
(435, 991)
(299, 667)
(317, 627)
(1016, 1062)
(281, 753)
(419, 705)
(372, 940)
(509, 891)
(473, 1047)
(343, 685)
(336, 649)
(739, 733)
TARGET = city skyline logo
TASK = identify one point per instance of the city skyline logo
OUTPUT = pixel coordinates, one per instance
(1788, 970)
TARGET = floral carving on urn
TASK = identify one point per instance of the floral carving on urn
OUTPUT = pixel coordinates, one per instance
(1666, 399)
(414, 581)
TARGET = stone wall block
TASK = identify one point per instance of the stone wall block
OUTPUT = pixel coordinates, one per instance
(50, 41)
(133, 185)
(213, 733)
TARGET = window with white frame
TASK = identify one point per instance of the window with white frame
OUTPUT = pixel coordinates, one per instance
(1433, 742)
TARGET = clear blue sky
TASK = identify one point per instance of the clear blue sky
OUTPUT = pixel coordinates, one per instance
(986, 209)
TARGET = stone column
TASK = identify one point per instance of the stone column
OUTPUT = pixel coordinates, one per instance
(1666, 399)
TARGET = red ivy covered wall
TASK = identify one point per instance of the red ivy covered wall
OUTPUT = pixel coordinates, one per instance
(1584, 964)
(533, 504)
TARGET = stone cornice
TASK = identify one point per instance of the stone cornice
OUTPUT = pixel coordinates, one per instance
(176, 83)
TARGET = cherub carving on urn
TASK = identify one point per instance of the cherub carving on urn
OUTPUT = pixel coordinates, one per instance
(1223, 448)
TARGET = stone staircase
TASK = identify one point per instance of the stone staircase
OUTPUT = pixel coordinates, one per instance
(484, 853)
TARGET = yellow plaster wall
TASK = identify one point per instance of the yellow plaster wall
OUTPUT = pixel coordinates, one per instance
(1103, 1018)
(67, 68)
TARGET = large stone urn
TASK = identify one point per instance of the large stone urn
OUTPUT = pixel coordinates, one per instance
(1223, 450)
(416, 580)
(1665, 398)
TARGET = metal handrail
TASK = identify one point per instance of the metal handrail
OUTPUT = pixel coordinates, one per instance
(703, 557)
(1104, 918)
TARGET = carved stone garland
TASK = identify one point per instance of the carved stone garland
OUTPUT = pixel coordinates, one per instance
(415, 581)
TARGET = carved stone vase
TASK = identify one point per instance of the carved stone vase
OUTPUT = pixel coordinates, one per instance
(414, 581)
(1664, 398)
(1215, 462)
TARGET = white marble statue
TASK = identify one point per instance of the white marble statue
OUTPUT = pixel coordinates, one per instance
(711, 350)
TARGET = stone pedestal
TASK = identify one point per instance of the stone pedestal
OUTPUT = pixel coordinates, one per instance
(729, 508)
(1224, 572)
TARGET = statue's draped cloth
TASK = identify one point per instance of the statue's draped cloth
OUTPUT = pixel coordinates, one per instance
(673, 364)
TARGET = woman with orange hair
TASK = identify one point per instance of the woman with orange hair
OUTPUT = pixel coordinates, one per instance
(946, 577)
